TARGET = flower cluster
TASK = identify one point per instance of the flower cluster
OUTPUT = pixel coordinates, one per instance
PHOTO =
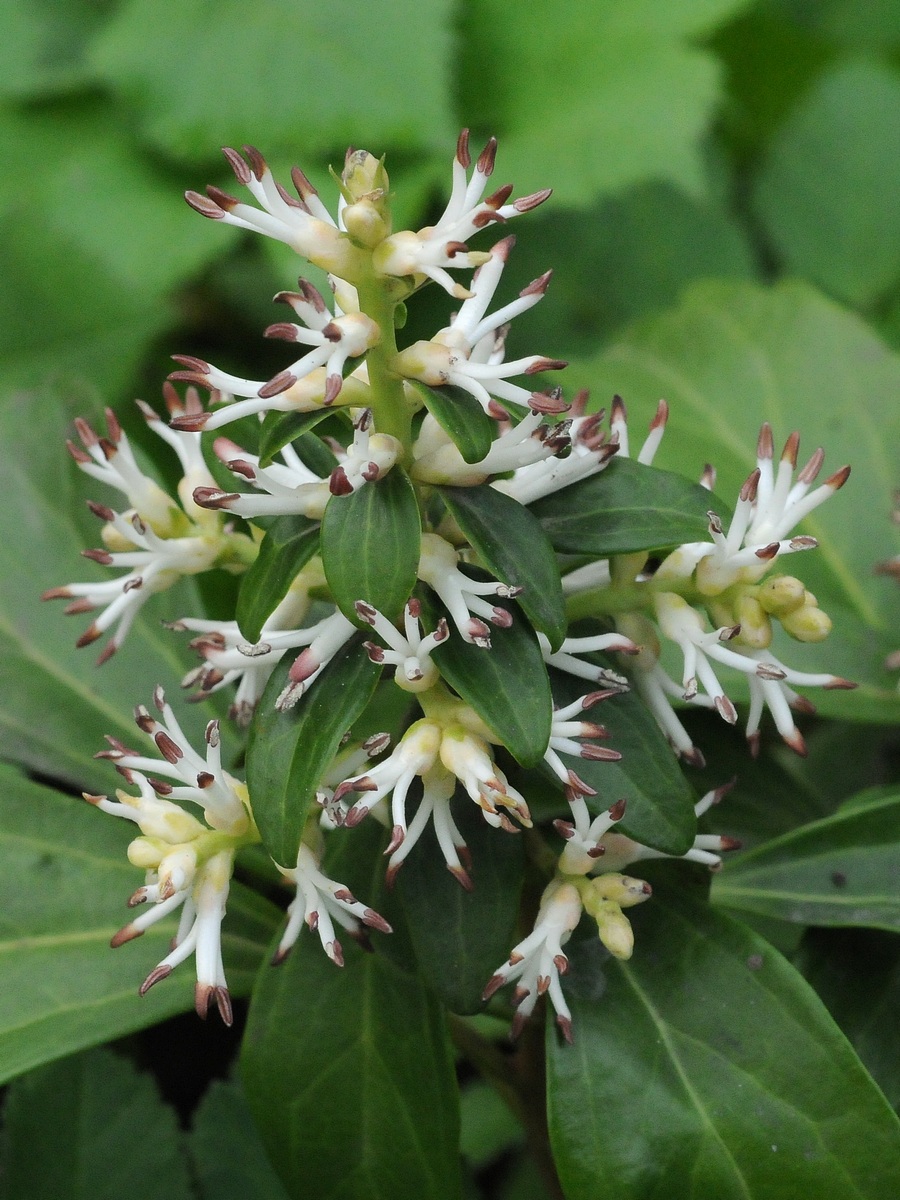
(456, 433)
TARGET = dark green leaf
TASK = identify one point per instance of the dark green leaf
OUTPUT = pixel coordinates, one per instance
(63, 888)
(407, 98)
(734, 354)
(461, 417)
(707, 1066)
(288, 751)
(846, 130)
(370, 545)
(279, 429)
(91, 1127)
(660, 803)
(626, 507)
(461, 937)
(857, 974)
(348, 1073)
(488, 1127)
(229, 1160)
(506, 685)
(843, 870)
(515, 549)
(289, 544)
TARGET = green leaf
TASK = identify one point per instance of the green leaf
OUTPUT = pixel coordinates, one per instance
(660, 802)
(856, 972)
(229, 1160)
(289, 544)
(506, 685)
(42, 50)
(461, 417)
(461, 937)
(488, 1127)
(280, 429)
(846, 130)
(370, 545)
(515, 549)
(733, 355)
(63, 888)
(625, 507)
(288, 752)
(843, 870)
(619, 240)
(91, 1127)
(189, 115)
(730, 1079)
(348, 1073)
(55, 705)
(639, 93)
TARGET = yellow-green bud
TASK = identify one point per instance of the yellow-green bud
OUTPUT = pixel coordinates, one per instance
(623, 890)
(147, 853)
(614, 929)
(756, 628)
(782, 594)
(366, 216)
(807, 624)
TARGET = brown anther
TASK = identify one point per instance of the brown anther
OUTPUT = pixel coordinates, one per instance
(661, 416)
(91, 634)
(168, 748)
(812, 468)
(237, 164)
(224, 200)
(257, 162)
(208, 497)
(528, 203)
(126, 934)
(838, 479)
(765, 447)
(767, 553)
(99, 556)
(545, 364)
(284, 330)
(157, 974)
(302, 184)
(333, 385)
(791, 449)
(277, 384)
(485, 163)
(748, 491)
(205, 207)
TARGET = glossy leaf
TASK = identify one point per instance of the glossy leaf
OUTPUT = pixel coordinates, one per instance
(729, 1078)
(506, 685)
(289, 544)
(660, 802)
(461, 417)
(137, 57)
(279, 429)
(626, 507)
(348, 1072)
(515, 549)
(91, 1127)
(845, 236)
(731, 355)
(460, 937)
(63, 888)
(843, 870)
(229, 1160)
(288, 751)
(370, 545)
(55, 705)
(856, 972)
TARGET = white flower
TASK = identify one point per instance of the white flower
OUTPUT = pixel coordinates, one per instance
(305, 224)
(462, 595)
(432, 250)
(537, 962)
(436, 458)
(469, 353)
(565, 658)
(334, 339)
(415, 754)
(323, 640)
(469, 758)
(620, 851)
(204, 780)
(564, 731)
(409, 652)
(320, 902)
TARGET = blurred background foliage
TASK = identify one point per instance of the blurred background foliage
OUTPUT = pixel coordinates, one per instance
(724, 232)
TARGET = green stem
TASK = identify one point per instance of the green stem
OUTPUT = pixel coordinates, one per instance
(389, 404)
(631, 597)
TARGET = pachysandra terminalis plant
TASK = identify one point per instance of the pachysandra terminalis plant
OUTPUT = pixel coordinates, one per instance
(427, 515)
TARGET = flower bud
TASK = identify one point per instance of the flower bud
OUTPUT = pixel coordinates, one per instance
(782, 594)
(756, 628)
(614, 929)
(808, 623)
(147, 853)
(622, 890)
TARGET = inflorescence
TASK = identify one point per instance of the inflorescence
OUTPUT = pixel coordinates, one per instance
(704, 607)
